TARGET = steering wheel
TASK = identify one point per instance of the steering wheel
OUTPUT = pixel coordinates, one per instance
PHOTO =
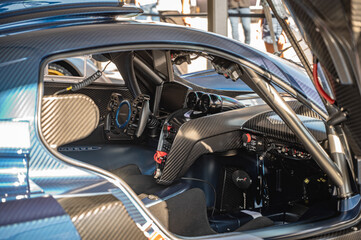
(139, 113)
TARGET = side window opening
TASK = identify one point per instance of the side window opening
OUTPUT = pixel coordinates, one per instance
(76, 69)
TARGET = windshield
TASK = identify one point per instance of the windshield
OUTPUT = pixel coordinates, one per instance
(297, 77)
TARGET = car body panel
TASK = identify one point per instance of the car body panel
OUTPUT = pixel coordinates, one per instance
(19, 94)
(59, 227)
(35, 218)
(8, 6)
(25, 51)
(10, 9)
(132, 33)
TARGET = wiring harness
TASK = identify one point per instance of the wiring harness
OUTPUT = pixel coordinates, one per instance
(87, 81)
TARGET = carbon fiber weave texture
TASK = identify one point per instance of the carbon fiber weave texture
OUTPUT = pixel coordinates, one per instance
(23, 53)
(334, 16)
(302, 109)
(314, 37)
(193, 137)
(26, 51)
(67, 118)
(271, 125)
(56, 40)
(57, 227)
(101, 217)
(198, 129)
(223, 142)
(99, 94)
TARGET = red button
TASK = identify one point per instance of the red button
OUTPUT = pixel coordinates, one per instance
(169, 128)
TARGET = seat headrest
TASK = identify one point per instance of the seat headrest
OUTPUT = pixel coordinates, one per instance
(67, 118)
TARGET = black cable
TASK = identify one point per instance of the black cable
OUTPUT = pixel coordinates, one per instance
(204, 181)
(85, 82)
(106, 66)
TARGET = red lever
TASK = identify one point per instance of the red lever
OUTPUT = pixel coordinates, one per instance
(249, 138)
(159, 156)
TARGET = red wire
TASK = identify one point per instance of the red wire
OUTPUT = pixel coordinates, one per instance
(319, 87)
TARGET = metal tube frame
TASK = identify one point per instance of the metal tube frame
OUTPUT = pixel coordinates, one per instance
(273, 99)
(285, 87)
(338, 155)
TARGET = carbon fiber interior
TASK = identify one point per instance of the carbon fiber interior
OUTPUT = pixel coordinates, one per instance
(227, 141)
(302, 109)
(185, 149)
(67, 118)
(99, 93)
(101, 217)
(272, 125)
(221, 131)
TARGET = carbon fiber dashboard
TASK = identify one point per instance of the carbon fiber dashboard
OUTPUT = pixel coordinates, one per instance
(193, 136)
(223, 131)
(270, 124)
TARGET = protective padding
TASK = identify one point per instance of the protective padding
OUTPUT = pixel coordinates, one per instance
(67, 118)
